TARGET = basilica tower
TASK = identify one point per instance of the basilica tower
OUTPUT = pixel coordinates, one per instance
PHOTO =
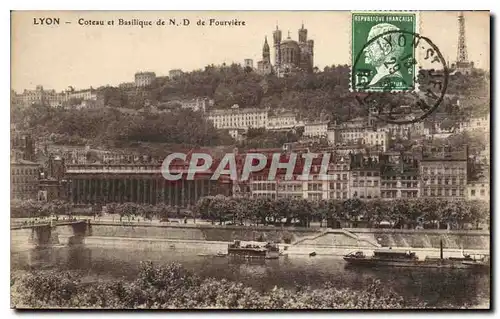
(277, 51)
(266, 52)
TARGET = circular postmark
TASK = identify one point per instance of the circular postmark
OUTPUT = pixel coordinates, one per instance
(408, 80)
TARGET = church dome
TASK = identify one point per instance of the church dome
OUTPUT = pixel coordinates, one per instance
(289, 42)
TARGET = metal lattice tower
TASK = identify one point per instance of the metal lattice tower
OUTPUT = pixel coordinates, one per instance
(462, 46)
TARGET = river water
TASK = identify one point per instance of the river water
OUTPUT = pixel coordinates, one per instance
(437, 287)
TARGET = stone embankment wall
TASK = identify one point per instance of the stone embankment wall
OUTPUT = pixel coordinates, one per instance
(354, 237)
(202, 232)
(426, 238)
(303, 239)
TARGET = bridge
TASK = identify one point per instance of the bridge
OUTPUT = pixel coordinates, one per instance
(48, 233)
(52, 223)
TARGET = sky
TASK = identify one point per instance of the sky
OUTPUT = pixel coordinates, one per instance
(69, 54)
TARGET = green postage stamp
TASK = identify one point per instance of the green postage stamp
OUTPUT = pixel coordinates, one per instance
(383, 51)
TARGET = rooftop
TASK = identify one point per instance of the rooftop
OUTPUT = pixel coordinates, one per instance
(236, 111)
(23, 162)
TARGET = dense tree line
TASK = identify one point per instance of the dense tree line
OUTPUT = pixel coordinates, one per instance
(31, 208)
(316, 95)
(93, 126)
(400, 213)
(173, 287)
(262, 138)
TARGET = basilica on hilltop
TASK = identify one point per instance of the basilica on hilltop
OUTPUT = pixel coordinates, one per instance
(289, 55)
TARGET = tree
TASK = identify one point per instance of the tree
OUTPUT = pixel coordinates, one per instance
(202, 207)
(352, 209)
(220, 207)
(321, 210)
(305, 212)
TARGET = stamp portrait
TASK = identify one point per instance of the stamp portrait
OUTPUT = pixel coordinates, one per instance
(382, 57)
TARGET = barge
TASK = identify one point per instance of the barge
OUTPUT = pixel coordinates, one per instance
(239, 250)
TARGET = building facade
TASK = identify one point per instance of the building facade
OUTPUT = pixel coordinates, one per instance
(174, 73)
(282, 121)
(236, 118)
(139, 183)
(198, 104)
(364, 177)
(478, 190)
(339, 171)
(316, 129)
(142, 79)
(400, 181)
(87, 94)
(24, 179)
(443, 174)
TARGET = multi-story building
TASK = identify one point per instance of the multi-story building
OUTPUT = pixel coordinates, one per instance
(117, 157)
(379, 141)
(142, 79)
(126, 85)
(174, 73)
(238, 118)
(364, 177)
(443, 173)
(338, 171)
(40, 96)
(140, 183)
(198, 104)
(358, 131)
(478, 190)
(350, 132)
(315, 187)
(400, 181)
(478, 183)
(479, 124)
(316, 129)
(87, 94)
(284, 121)
(404, 131)
(24, 179)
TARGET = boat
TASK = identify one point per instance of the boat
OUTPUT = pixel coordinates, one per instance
(464, 262)
(268, 251)
(382, 257)
(406, 258)
(220, 254)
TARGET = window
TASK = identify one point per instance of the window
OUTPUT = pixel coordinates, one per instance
(472, 192)
(482, 192)
(375, 183)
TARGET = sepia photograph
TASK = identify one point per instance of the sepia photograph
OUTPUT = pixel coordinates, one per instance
(250, 160)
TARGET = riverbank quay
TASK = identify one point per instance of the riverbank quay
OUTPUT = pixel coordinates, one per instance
(292, 240)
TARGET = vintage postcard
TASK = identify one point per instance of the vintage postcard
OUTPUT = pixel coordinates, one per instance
(250, 160)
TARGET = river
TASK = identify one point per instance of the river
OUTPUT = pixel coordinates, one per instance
(437, 287)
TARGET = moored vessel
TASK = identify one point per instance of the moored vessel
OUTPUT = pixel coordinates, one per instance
(406, 258)
(268, 251)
